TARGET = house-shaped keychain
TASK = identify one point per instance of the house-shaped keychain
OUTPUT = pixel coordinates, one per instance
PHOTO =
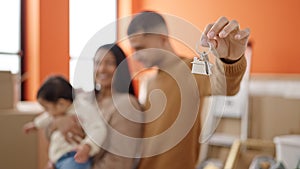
(201, 65)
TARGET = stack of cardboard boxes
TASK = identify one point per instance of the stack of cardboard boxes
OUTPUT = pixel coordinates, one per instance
(6, 90)
(17, 149)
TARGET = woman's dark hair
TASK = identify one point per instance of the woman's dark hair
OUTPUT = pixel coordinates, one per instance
(122, 77)
(54, 88)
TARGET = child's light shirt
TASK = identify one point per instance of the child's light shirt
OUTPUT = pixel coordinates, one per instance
(91, 121)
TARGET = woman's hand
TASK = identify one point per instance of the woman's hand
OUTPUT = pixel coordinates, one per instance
(49, 165)
(69, 127)
(82, 153)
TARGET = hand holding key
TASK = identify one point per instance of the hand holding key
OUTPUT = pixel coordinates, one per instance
(227, 40)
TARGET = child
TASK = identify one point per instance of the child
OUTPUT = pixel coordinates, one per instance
(56, 96)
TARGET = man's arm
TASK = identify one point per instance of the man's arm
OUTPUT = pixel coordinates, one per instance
(231, 74)
(228, 43)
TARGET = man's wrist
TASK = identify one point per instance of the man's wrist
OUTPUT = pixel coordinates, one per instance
(229, 61)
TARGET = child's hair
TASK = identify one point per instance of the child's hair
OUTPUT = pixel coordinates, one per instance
(54, 88)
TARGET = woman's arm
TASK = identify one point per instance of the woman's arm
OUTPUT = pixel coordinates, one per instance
(113, 157)
(109, 160)
(68, 126)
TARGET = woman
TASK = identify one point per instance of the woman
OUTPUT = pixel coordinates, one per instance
(113, 85)
(118, 106)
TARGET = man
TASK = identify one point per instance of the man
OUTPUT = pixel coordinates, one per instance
(172, 122)
(173, 106)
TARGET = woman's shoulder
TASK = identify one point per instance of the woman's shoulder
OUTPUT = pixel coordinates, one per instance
(122, 96)
(88, 96)
(126, 100)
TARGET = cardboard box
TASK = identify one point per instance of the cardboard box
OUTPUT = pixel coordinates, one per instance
(17, 149)
(271, 116)
(6, 90)
(288, 150)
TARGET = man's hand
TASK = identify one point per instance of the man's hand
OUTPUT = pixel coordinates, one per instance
(226, 38)
(69, 127)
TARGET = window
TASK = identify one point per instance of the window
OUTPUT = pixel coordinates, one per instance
(10, 29)
(92, 23)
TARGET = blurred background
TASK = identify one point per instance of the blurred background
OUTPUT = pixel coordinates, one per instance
(39, 38)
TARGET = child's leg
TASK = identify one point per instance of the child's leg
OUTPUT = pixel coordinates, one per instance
(67, 161)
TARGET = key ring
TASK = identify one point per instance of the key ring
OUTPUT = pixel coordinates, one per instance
(203, 55)
(201, 64)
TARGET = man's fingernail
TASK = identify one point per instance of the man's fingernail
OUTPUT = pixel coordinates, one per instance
(211, 34)
(222, 34)
(204, 42)
(237, 36)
